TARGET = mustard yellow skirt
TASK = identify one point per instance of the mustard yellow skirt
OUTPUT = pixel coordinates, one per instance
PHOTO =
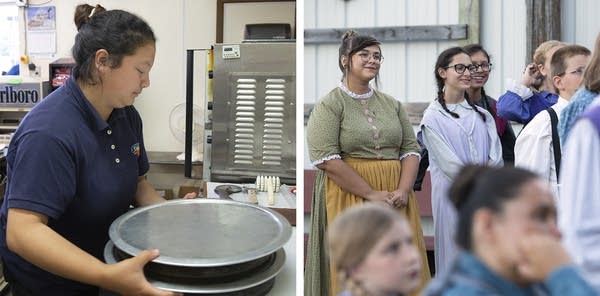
(329, 200)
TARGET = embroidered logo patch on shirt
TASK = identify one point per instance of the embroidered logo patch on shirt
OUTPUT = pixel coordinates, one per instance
(135, 149)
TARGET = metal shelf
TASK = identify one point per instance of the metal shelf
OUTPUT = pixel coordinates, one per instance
(15, 109)
(8, 127)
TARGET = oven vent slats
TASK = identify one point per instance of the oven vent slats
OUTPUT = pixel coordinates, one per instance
(245, 117)
(259, 112)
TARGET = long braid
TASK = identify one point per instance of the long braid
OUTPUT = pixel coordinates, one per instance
(443, 103)
(472, 49)
(489, 106)
(474, 106)
(440, 97)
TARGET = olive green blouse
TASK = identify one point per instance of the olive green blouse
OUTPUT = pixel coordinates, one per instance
(376, 127)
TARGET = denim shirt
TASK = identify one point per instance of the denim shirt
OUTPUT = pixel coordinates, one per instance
(469, 276)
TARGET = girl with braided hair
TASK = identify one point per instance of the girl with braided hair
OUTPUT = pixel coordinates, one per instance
(456, 132)
(481, 60)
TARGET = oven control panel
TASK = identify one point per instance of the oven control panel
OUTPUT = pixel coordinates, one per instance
(231, 51)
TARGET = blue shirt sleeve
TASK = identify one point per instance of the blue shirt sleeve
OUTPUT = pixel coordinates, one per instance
(567, 281)
(512, 107)
(43, 175)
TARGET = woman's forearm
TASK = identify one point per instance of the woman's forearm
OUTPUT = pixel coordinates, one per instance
(346, 177)
(28, 236)
(410, 167)
(146, 194)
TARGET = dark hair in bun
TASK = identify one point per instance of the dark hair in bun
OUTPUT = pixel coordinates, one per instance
(352, 43)
(478, 186)
(84, 12)
(118, 32)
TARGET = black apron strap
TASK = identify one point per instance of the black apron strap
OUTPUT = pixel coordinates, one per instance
(555, 140)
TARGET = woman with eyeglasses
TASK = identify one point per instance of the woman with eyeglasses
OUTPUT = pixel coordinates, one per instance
(456, 132)
(481, 60)
(364, 146)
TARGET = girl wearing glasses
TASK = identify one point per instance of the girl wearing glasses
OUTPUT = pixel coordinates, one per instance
(456, 132)
(365, 149)
(481, 60)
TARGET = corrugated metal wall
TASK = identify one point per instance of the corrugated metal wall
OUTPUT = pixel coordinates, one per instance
(503, 35)
(580, 22)
(407, 72)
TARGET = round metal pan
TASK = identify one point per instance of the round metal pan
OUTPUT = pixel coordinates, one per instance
(257, 282)
(201, 232)
(225, 273)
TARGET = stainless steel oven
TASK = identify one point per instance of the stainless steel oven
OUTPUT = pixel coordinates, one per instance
(254, 112)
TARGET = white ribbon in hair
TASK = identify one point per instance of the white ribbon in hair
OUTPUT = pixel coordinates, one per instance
(93, 11)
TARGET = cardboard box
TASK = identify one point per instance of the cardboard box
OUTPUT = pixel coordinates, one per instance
(165, 193)
(192, 185)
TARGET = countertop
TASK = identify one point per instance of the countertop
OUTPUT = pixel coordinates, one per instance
(285, 282)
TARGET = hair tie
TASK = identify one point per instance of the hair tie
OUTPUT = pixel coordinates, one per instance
(93, 11)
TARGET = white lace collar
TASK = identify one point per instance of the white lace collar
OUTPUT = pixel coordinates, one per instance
(355, 95)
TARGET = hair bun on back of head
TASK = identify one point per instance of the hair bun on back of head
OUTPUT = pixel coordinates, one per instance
(349, 34)
(84, 12)
(464, 183)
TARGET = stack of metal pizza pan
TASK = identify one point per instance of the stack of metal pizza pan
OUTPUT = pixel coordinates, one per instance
(207, 246)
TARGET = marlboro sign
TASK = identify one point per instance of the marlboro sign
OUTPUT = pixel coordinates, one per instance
(19, 93)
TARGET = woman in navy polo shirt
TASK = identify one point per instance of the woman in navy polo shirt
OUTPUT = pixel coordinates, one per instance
(76, 163)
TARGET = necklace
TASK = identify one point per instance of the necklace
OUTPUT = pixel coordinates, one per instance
(355, 95)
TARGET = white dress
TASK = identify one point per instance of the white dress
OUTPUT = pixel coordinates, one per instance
(453, 143)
